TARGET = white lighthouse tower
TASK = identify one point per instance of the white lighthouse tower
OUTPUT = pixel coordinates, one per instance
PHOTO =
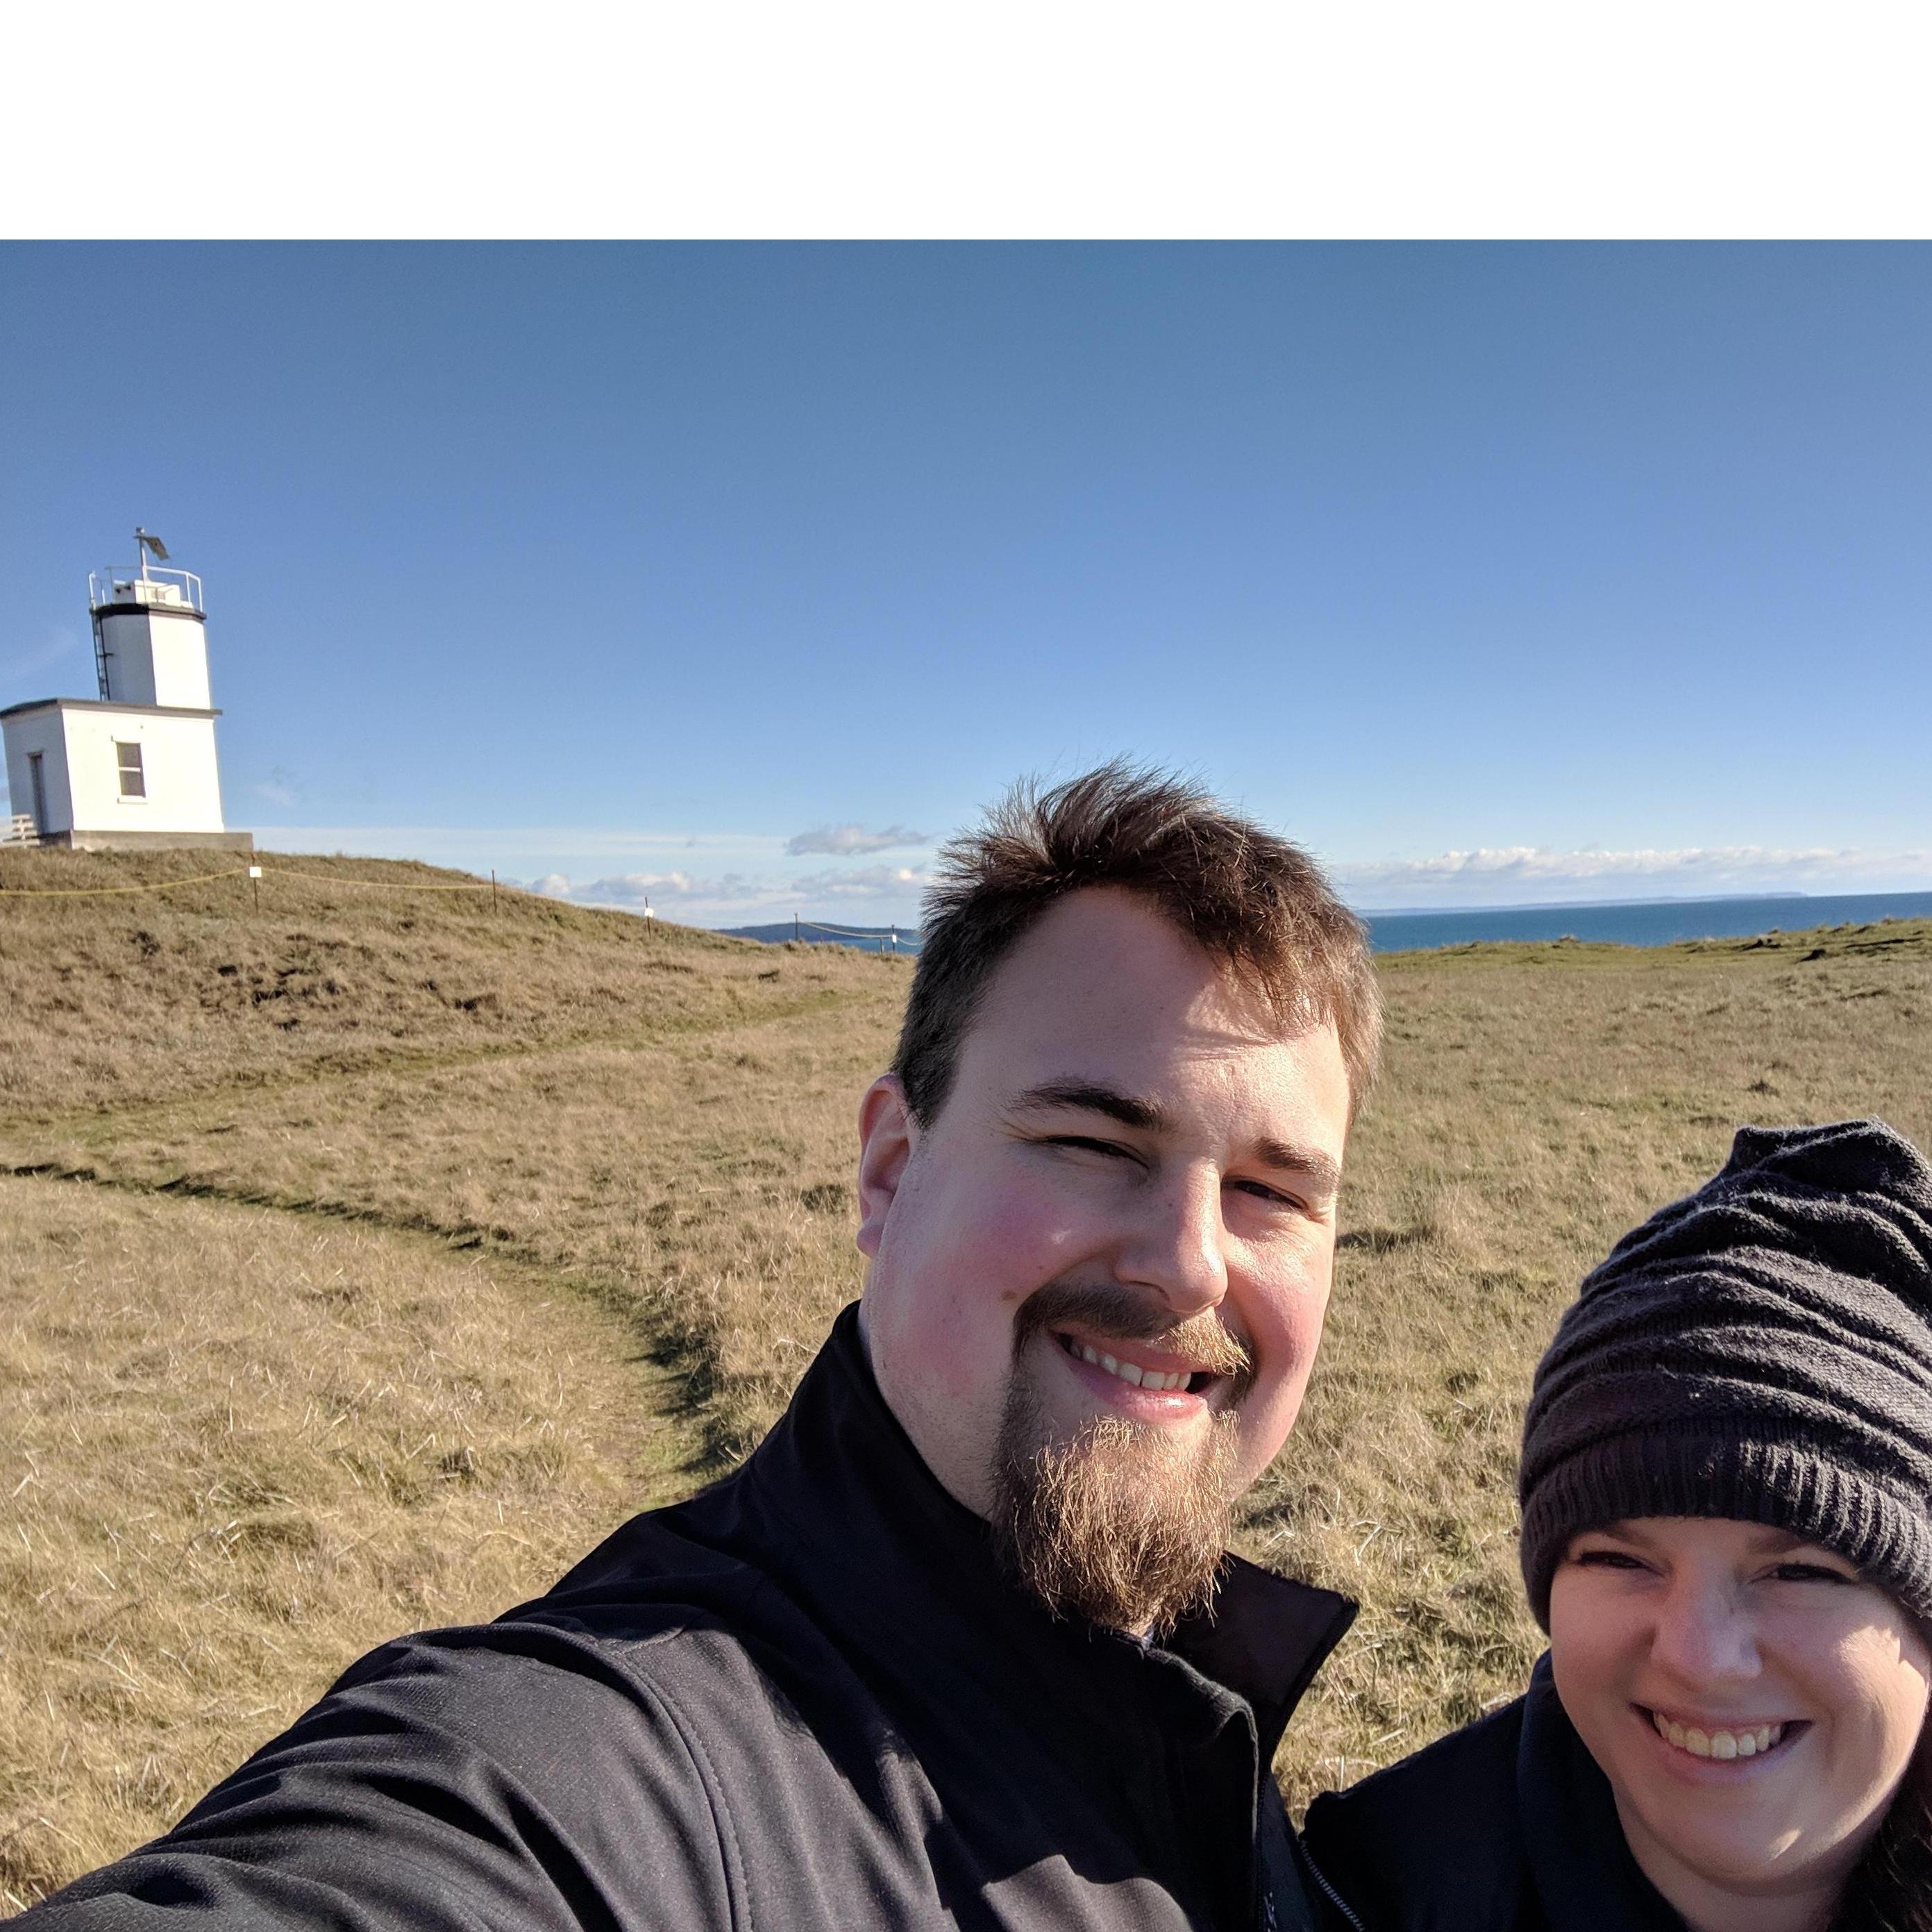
(135, 765)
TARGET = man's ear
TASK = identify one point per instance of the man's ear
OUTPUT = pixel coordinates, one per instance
(887, 1135)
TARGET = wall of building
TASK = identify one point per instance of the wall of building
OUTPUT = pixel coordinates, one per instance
(184, 785)
(39, 731)
(155, 658)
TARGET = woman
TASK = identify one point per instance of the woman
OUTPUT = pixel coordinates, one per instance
(1727, 1491)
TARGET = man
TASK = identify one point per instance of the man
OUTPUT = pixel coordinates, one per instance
(959, 1644)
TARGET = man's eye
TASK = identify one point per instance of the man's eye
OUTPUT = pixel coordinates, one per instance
(1809, 1573)
(1607, 1559)
(1083, 1143)
(1260, 1191)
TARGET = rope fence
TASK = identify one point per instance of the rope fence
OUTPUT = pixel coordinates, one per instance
(891, 939)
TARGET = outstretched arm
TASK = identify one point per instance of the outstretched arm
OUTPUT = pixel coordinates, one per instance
(472, 1780)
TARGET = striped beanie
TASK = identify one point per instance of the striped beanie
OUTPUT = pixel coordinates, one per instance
(1762, 1351)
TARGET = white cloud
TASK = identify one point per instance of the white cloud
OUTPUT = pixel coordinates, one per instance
(633, 889)
(735, 898)
(840, 841)
(1530, 874)
(869, 882)
(275, 793)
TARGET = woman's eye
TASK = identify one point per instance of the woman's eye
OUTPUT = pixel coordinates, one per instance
(1607, 1559)
(1809, 1573)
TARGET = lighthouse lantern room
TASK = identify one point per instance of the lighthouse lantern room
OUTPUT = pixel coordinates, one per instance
(136, 765)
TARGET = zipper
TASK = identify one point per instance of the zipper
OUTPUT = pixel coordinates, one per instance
(1329, 1892)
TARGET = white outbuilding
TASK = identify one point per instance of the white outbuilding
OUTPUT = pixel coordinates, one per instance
(136, 765)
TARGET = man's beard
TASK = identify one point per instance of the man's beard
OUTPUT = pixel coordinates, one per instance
(1120, 1523)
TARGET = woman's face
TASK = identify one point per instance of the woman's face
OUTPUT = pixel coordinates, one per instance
(1753, 1701)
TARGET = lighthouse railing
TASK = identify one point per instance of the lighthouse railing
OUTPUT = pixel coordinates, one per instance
(110, 586)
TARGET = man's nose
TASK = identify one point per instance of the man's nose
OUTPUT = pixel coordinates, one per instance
(1177, 1245)
(1703, 1634)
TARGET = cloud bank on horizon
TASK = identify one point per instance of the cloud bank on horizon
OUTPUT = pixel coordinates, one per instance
(733, 898)
(731, 879)
(1487, 876)
(1530, 875)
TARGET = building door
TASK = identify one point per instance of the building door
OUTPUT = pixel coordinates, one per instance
(37, 777)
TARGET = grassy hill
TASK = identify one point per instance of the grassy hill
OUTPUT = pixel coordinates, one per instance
(635, 1140)
(343, 1241)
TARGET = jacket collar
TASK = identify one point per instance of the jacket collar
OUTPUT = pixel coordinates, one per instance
(1579, 1860)
(880, 1544)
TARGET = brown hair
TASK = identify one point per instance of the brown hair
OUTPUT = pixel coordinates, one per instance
(1239, 893)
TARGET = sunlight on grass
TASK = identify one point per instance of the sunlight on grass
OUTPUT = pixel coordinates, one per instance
(658, 1125)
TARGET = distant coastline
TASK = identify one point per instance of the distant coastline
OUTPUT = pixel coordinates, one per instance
(1608, 922)
(1643, 923)
(1567, 905)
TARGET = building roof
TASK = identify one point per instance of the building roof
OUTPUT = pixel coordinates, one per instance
(106, 704)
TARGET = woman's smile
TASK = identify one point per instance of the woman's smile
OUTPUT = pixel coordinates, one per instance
(1748, 1743)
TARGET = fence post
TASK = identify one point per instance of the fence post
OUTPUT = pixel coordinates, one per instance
(255, 885)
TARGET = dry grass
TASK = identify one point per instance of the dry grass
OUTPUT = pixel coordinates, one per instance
(242, 1448)
(347, 964)
(685, 1156)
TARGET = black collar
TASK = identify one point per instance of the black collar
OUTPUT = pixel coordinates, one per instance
(879, 1544)
(1581, 1865)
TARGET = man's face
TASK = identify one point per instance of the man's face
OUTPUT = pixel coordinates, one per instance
(1130, 1138)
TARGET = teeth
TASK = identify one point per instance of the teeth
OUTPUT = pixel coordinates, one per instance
(1147, 1378)
(1723, 1745)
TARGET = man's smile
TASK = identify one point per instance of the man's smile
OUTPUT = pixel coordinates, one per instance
(1141, 1363)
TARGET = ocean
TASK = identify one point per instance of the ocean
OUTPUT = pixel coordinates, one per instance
(1654, 922)
(1649, 922)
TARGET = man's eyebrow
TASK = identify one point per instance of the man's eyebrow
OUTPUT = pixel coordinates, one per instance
(1090, 1096)
(1320, 1168)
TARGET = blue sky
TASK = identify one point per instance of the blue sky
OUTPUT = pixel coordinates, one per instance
(736, 575)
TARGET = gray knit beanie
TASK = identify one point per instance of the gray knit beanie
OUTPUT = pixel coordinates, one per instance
(1760, 1350)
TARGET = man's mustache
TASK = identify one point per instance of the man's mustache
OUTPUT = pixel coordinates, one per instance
(1110, 1310)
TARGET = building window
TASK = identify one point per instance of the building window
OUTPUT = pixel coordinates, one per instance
(134, 784)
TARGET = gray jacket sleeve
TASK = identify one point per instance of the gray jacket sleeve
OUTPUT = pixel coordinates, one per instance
(445, 1784)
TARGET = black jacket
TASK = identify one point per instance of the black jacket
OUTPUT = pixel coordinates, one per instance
(804, 1701)
(1506, 1825)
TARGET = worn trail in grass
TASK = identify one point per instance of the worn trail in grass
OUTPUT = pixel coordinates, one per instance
(241, 1449)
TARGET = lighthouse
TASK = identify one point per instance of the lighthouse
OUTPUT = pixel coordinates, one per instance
(135, 765)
